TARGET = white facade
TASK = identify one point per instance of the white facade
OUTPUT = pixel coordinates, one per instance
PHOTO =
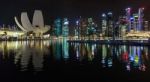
(37, 25)
(26, 22)
(38, 19)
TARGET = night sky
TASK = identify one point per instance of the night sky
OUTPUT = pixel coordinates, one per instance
(68, 8)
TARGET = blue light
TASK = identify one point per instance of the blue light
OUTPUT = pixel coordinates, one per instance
(131, 58)
(131, 18)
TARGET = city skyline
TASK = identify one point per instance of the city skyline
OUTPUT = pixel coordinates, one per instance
(53, 9)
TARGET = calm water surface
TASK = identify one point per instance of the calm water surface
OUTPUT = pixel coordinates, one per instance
(46, 60)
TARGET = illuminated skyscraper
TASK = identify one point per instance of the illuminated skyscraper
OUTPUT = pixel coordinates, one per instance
(77, 28)
(135, 25)
(58, 27)
(109, 24)
(128, 16)
(91, 27)
(117, 29)
(146, 26)
(104, 24)
(123, 26)
(83, 27)
(132, 23)
(65, 28)
(140, 19)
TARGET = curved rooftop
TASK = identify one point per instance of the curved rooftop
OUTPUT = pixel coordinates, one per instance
(37, 25)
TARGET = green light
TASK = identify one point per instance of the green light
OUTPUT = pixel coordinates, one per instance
(136, 59)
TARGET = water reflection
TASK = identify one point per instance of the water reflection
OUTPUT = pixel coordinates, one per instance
(106, 56)
(31, 55)
(65, 49)
(132, 57)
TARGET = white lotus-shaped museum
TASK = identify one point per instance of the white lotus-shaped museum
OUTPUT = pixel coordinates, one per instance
(37, 25)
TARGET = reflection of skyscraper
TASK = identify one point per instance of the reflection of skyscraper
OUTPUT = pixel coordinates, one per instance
(77, 50)
(104, 54)
(125, 55)
(57, 49)
(90, 51)
(65, 47)
(109, 56)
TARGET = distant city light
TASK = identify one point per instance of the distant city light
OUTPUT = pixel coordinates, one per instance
(103, 15)
(109, 13)
(66, 23)
(131, 18)
(136, 16)
(128, 8)
(77, 22)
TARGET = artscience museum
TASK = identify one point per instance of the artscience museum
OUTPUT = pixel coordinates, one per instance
(35, 29)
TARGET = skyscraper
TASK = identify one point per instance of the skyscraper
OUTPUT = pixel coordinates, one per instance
(83, 28)
(104, 24)
(58, 27)
(109, 24)
(65, 27)
(146, 26)
(91, 27)
(76, 33)
(140, 19)
(123, 26)
(135, 23)
(128, 16)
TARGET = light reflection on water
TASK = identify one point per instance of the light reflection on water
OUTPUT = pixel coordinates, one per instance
(30, 55)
